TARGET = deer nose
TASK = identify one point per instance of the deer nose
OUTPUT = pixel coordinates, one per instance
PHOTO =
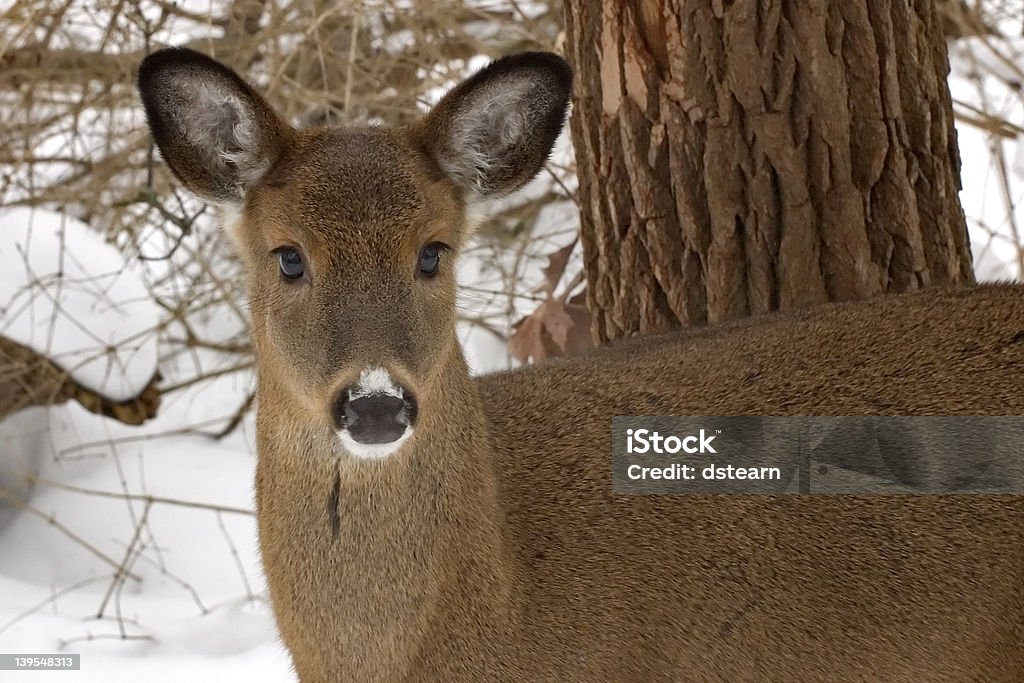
(374, 417)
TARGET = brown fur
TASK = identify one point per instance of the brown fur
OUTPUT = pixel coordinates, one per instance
(511, 560)
(490, 546)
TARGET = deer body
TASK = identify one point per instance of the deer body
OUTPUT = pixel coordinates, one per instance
(418, 524)
(521, 565)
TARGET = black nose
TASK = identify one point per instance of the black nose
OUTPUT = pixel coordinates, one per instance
(376, 418)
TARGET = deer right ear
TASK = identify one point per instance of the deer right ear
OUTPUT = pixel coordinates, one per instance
(492, 133)
(216, 133)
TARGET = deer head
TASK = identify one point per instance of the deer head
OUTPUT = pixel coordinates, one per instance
(348, 234)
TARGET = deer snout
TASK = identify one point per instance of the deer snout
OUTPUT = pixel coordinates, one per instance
(374, 416)
(375, 419)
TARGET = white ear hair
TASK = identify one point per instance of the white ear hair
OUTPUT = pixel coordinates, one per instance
(220, 125)
(217, 134)
(482, 138)
(492, 133)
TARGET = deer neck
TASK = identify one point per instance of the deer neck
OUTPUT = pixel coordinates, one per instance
(370, 558)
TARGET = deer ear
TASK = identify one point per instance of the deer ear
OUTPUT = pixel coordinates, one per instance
(217, 134)
(492, 133)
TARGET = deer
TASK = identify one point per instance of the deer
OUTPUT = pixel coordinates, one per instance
(420, 523)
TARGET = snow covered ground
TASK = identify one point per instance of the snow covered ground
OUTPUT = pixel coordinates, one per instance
(194, 609)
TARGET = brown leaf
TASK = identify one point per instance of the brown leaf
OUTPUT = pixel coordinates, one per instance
(557, 322)
(554, 329)
(579, 335)
(556, 267)
(525, 342)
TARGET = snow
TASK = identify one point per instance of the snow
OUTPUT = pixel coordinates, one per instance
(199, 608)
(993, 210)
(72, 298)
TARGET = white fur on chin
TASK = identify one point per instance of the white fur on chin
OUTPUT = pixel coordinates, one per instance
(371, 451)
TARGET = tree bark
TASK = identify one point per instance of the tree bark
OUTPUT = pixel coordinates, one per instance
(746, 156)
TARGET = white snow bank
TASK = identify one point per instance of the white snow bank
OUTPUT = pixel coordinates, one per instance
(70, 296)
(198, 611)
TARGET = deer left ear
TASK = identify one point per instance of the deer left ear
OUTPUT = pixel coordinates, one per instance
(217, 134)
(493, 132)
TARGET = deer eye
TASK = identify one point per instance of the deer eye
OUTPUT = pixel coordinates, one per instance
(290, 261)
(430, 259)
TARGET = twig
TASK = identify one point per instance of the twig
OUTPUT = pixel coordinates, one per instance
(234, 554)
(52, 599)
(119, 575)
(236, 419)
(52, 521)
(146, 498)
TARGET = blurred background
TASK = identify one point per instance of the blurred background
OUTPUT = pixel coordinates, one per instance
(126, 450)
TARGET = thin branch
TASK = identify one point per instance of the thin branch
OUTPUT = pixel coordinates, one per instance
(55, 523)
(146, 498)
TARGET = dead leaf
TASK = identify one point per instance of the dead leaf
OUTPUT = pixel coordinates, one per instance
(556, 268)
(525, 342)
(580, 337)
(557, 327)
(557, 322)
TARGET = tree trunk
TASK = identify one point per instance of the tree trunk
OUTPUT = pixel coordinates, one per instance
(742, 157)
